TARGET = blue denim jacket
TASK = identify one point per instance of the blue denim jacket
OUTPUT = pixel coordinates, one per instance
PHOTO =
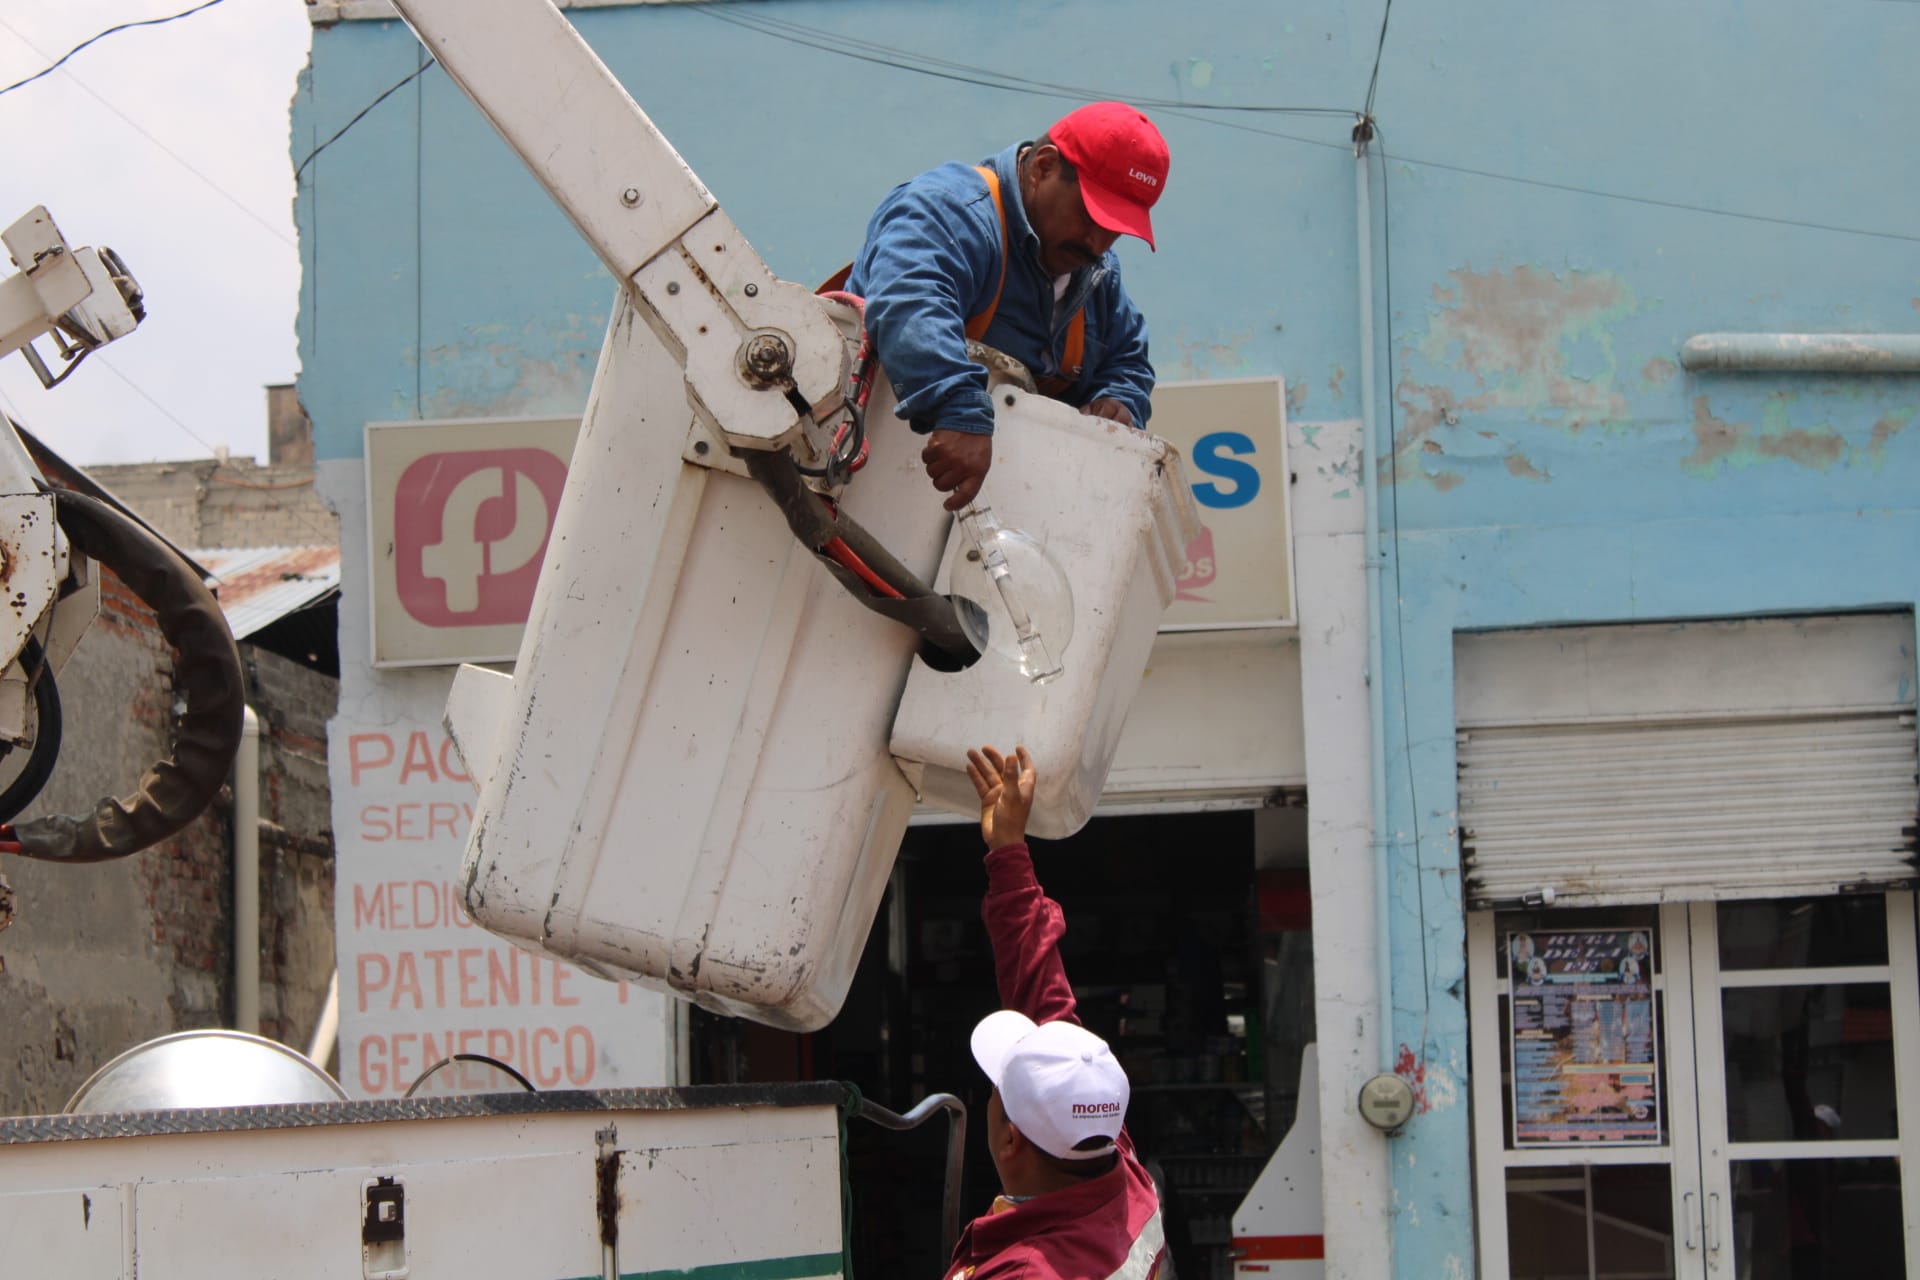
(931, 262)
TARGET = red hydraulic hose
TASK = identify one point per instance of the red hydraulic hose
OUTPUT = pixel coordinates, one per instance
(842, 554)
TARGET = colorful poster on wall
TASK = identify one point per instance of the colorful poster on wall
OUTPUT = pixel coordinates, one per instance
(1585, 1048)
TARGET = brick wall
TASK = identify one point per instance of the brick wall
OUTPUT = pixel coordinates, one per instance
(103, 957)
(293, 704)
(107, 955)
(231, 502)
(289, 429)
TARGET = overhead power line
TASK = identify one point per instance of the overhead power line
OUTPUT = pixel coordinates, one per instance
(125, 26)
(1379, 52)
(967, 73)
(360, 115)
(140, 129)
(165, 412)
(1203, 113)
(1655, 201)
(986, 78)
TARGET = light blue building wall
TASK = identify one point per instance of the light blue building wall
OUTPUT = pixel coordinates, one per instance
(1551, 463)
(1562, 195)
(439, 279)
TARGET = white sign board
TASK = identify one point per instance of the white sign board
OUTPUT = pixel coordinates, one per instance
(458, 515)
(1232, 434)
(419, 981)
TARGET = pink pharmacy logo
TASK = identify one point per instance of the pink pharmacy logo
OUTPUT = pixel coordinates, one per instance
(469, 531)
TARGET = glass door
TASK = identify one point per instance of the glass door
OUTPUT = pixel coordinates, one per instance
(1590, 1170)
(1784, 1085)
(1805, 1016)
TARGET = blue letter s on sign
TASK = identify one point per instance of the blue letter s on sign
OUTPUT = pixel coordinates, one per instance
(1218, 454)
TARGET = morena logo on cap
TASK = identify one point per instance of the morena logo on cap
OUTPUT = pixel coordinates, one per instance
(1058, 1082)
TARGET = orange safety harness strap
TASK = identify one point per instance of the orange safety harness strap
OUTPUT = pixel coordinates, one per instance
(977, 327)
(1074, 355)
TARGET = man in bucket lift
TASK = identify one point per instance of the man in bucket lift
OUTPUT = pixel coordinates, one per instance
(1075, 1201)
(1016, 253)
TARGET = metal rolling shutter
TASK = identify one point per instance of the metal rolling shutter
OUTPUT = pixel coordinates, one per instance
(1765, 805)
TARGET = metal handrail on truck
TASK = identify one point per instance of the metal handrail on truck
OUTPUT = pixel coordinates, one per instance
(956, 1149)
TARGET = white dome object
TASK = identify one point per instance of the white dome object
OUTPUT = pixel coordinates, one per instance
(207, 1068)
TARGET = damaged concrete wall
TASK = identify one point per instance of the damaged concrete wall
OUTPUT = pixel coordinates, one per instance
(225, 502)
(105, 956)
(293, 704)
(108, 955)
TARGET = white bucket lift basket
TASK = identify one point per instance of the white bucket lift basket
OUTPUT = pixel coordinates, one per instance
(691, 780)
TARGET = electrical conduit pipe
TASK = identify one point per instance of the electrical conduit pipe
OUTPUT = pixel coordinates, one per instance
(246, 876)
(327, 1033)
(1376, 694)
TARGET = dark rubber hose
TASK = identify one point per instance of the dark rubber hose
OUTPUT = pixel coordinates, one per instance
(944, 643)
(178, 788)
(46, 734)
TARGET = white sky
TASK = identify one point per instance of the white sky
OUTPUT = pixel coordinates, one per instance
(169, 144)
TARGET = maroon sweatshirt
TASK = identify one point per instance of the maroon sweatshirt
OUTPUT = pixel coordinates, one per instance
(1107, 1226)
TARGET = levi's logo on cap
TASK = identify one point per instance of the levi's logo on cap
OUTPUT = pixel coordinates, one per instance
(1122, 163)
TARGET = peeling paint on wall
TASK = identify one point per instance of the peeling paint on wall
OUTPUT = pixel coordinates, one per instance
(1207, 359)
(1333, 465)
(1516, 332)
(1520, 468)
(1414, 1071)
(1533, 342)
(1443, 1084)
(493, 373)
(1335, 380)
(1742, 444)
(1658, 371)
(1890, 425)
(1296, 397)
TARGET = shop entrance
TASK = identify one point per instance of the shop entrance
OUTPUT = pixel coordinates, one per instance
(1190, 949)
(1702, 1090)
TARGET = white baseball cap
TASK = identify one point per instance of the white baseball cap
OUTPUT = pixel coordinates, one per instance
(1059, 1082)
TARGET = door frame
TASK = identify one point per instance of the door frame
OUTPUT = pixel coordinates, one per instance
(1718, 1151)
(1697, 1151)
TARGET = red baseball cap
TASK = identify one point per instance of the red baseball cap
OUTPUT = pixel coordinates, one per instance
(1122, 161)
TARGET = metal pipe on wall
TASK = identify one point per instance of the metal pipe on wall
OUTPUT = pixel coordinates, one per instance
(1858, 353)
(246, 876)
(1376, 694)
(327, 1033)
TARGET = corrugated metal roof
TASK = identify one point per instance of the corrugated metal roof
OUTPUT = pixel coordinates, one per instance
(259, 586)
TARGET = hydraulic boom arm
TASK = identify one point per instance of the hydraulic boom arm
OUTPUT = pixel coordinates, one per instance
(761, 355)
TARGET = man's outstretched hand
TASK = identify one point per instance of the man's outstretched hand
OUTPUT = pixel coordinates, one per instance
(1005, 787)
(957, 463)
